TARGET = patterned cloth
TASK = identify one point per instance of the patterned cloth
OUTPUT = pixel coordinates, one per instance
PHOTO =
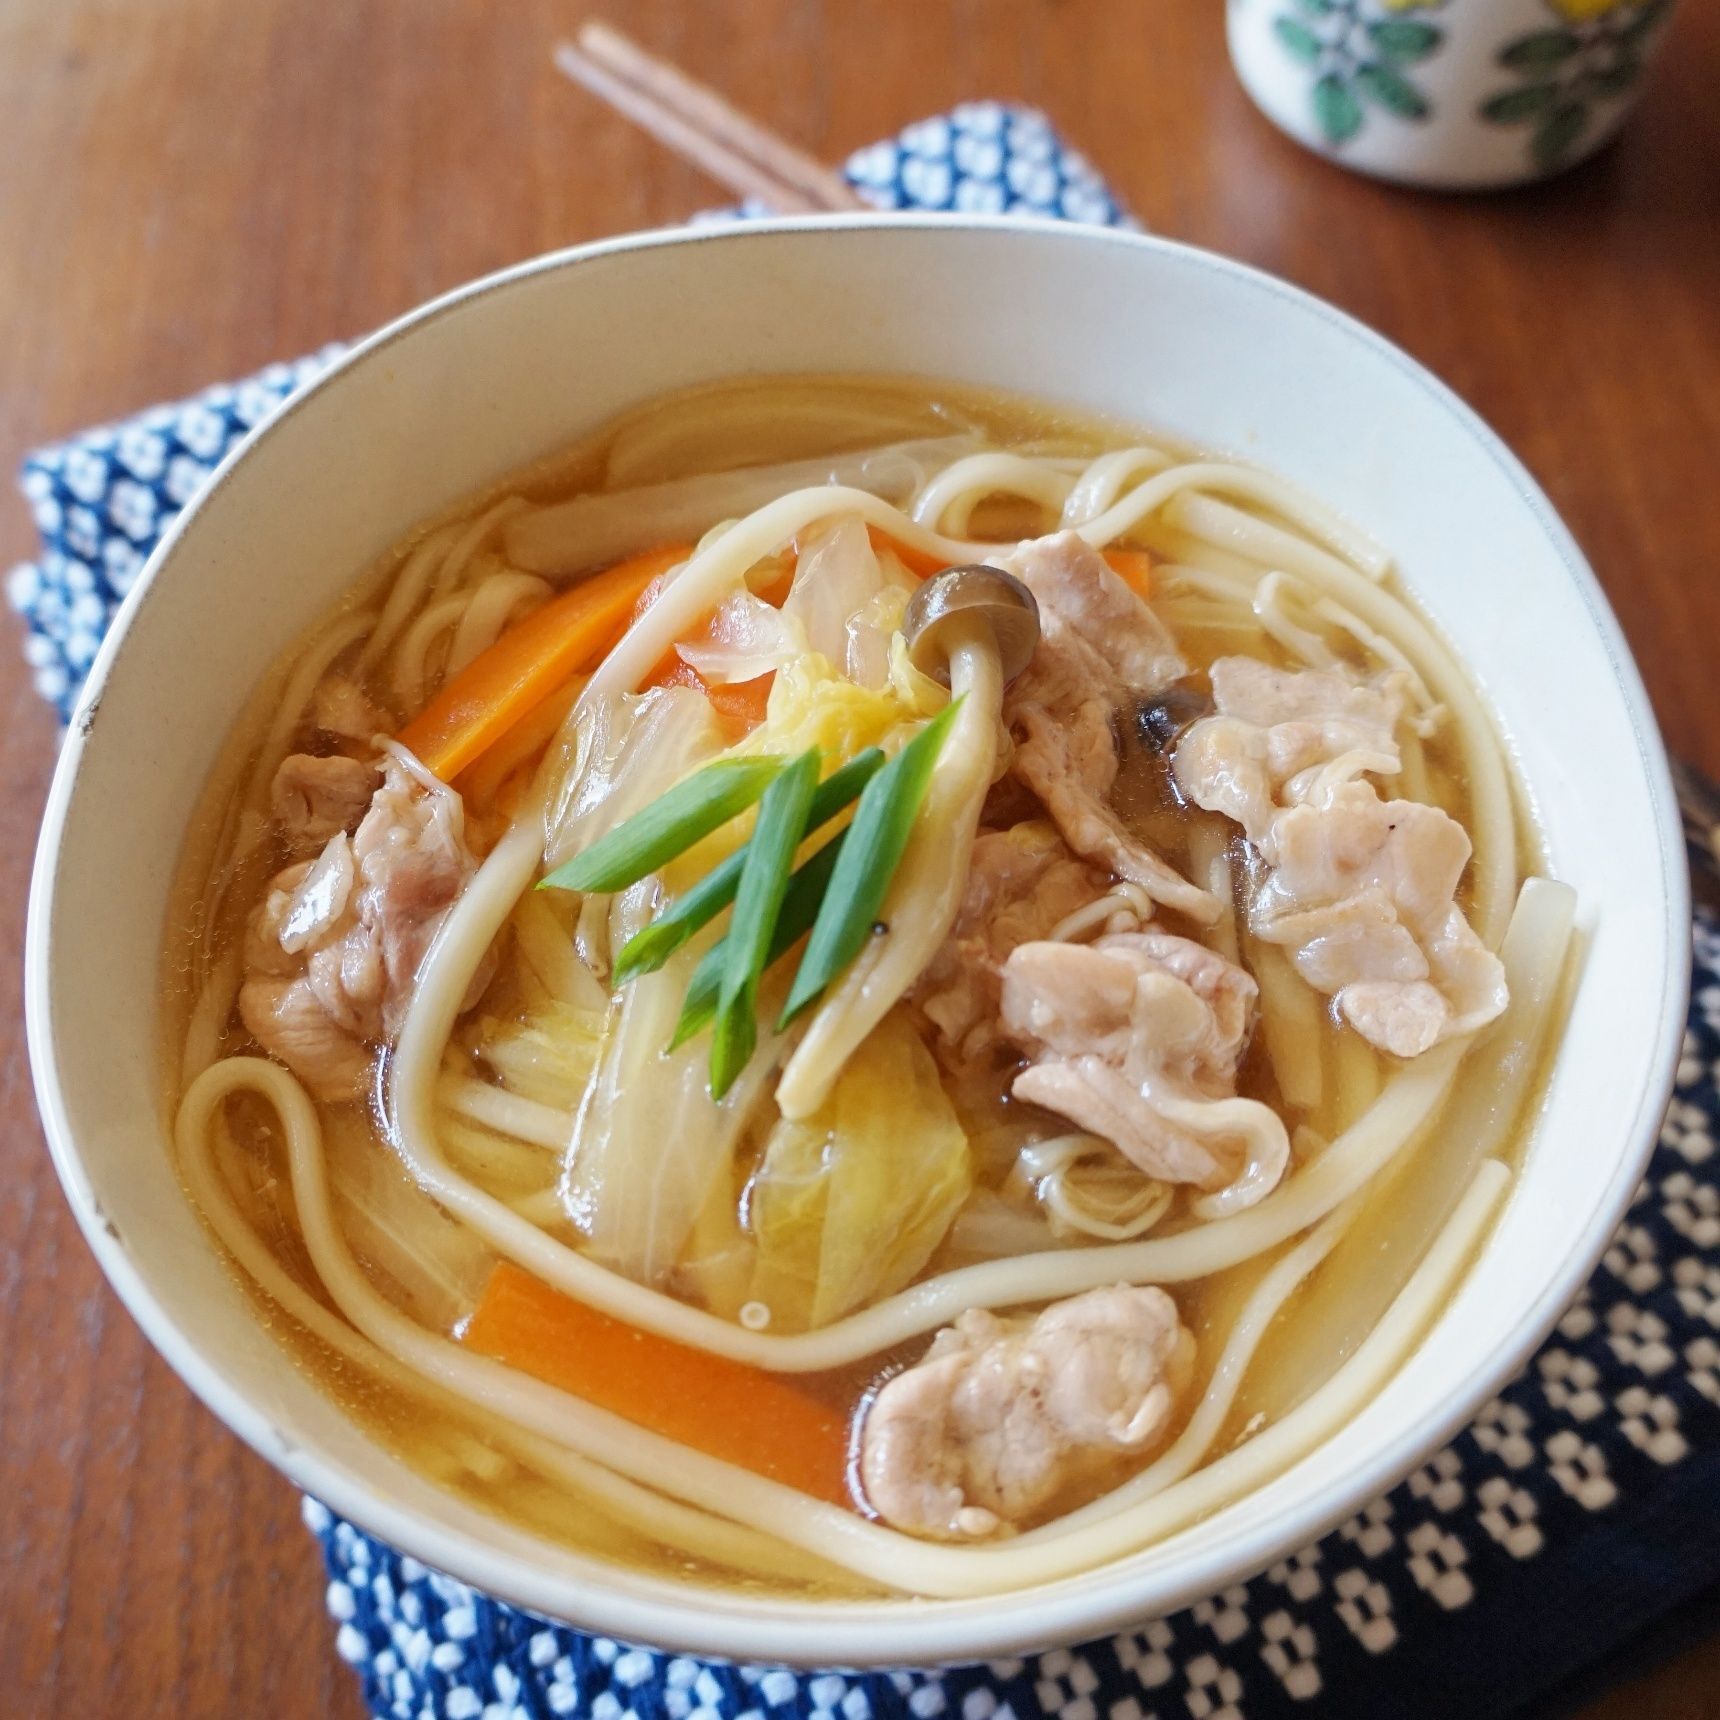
(1582, 1503)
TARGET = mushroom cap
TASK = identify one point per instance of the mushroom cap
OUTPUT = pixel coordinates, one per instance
(999, 599)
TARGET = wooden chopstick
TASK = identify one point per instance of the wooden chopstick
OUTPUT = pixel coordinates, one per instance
(700, 125)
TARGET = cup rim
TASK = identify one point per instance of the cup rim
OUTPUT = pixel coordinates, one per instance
(893, 1632)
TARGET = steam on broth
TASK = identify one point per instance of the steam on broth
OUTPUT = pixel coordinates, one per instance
(860, 986)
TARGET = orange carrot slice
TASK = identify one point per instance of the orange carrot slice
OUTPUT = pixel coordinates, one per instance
(503, 684)
(671, 671)
(740, 706)
(723, 1408)
(1134, 567)
(917, 561)
(775, 590)
(480, 781)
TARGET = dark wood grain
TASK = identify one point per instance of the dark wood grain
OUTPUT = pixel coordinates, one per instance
(191, 188)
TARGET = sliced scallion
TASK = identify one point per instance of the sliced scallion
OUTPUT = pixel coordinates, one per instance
(648, 949)
(782, 815)
(670, 825)
(799, 909)
(883, 821)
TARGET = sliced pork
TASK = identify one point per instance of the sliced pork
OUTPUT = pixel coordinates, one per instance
(1359, 890)
(1280, 736)
(1136, 1038)
(1100, 648)
(332, 953)
(1052, 760)
(1363, 897)
(1087, 613)
(1021, 883)
(315, 798)
(1002, 1416)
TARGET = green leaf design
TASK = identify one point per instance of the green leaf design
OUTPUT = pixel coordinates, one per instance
(1392, 91)
(1542, 48)
(1404, 40)
(1615, 79)
(1557, 133)
(1317, 8)
(1298, 38)
(1336, 109)
(1647, 16)
(1512, 107)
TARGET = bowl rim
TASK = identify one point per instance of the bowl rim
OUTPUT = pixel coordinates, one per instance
(864, 1633)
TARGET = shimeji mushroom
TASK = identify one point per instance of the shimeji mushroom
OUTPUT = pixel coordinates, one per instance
(946, 607)
(974, 629)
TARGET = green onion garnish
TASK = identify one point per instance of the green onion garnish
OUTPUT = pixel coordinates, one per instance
(882, 824)
(764, 878)
(647, 950)
(670, 825)
(799, 909)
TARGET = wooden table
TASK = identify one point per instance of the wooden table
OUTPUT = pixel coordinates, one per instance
(192, 188)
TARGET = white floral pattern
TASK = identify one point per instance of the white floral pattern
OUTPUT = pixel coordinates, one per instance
(982, 158)
(102, 501)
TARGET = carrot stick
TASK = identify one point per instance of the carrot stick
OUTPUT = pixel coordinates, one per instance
(480, 781)
(720, 1407)
(1134, 567)
(917, 561)
(501, 685)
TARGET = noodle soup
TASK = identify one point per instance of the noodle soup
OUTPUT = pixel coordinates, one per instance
(857, 986)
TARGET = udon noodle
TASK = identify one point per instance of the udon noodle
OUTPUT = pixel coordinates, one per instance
(1153, 1048)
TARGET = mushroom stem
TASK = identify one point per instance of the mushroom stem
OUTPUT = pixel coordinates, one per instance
(927, 890)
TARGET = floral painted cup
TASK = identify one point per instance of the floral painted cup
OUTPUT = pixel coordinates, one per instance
(1453, 93)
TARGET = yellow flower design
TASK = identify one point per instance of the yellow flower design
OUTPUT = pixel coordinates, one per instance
(1427, 5)
(1581, 11)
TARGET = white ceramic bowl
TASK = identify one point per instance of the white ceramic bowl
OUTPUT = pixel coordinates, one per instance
(502, 371)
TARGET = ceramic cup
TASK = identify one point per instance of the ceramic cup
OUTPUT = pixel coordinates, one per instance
(1457, 94)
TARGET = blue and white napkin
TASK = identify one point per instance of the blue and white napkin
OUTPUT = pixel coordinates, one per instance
(1582, 1504)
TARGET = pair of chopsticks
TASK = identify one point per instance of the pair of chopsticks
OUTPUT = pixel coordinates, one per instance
(700, 125)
